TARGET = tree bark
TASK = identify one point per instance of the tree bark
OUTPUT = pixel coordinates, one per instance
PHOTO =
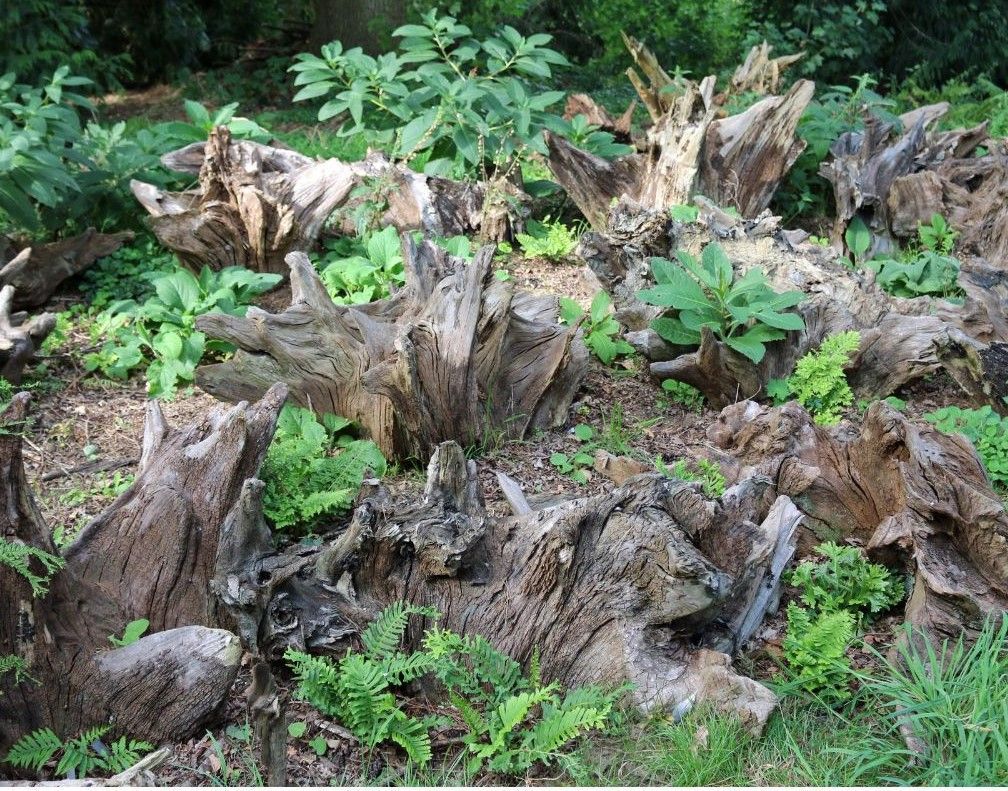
(20, 337)
(455, 354)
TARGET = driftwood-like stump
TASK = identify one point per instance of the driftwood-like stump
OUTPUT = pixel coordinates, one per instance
(901, 488)
(150, 555)
(896, 180)
(255, 203)
(20, 336)
(901, 339)
(736, 161)
(36, 271)
(454, 355)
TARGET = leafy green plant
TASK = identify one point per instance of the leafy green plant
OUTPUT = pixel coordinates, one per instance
(127, 273)
(202, 123)
(987, 430)
(468, 99)
(161, 330)
(9, 663)
(512, 720)
(844, 580)
(745, 313)
(549, 239)
(589, 137)
(683, 394)
(312, 470)
(818, 381)
(927, 273)
(708, 473)
(813, 648)
(575, 466)
(78, 757)
(937, 235)
(21, 557)
(356, 271)
(133, 631)
(858, 239)
(599, 327)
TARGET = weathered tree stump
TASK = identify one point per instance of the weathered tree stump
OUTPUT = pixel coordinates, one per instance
(255, 203)
(455, 354)
(150, 555)
(904, 490)
(20, 336)
(736, 161)
(36, 271)
(901, 339)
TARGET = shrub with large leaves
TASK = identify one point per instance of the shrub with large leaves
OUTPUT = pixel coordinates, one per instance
(743, 312)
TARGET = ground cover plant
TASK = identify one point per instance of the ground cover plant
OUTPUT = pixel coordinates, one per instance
(697, 476)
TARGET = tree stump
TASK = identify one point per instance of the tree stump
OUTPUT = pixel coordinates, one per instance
(455, 354)
(20, 336)
(255, 203)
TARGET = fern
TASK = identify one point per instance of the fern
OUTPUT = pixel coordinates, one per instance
(10, 663)
(814, 651)
(384, 635)
(33, 750)
(78, 757)
(19, 556)
(845, 580)
(818, 381)
(310, 471)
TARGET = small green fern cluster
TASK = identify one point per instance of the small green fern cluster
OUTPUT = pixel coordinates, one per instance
(78, 757)
(708, 473)
(312, 470)
(19, 557)
(818, 382)
(9, 663)
(838, 590)
(512, 720)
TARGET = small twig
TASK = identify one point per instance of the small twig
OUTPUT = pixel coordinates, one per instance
(89, 467)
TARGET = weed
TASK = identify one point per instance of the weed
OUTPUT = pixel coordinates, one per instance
(818, 381)
(683, 394)
(549, 239)
(599, 327)
(708, 473)
(987, 430)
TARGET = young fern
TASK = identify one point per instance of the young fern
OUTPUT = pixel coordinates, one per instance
(19, 557)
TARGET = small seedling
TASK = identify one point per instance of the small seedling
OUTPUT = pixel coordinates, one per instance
(134, 631)
(600, 328)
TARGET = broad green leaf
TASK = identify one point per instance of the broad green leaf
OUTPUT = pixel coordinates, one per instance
(673, 331)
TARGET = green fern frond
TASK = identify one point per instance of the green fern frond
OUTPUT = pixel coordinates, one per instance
(34, 749)
(384, 635)
(19, 556)
(559, 728)
(412, 735)
(16, 665)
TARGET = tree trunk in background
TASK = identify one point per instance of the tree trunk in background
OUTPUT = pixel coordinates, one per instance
(356, 23)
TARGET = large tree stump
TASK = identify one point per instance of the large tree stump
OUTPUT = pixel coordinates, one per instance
(20, 336)
(736, 161)
(901, 488)
(455, 354)
(150, 555)
(896, 180)
(255, 203)
(901, 339)
(36, 271)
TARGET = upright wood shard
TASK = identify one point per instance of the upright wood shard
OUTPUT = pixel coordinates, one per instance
(737, 161)
(454, 354)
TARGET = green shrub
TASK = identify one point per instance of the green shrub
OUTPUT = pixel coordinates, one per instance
(987, 430)
(844, 580)
(601, 330)
(160, 332)
(511, 719)
(312, 470)
(469, 99)
(126, 273)
(925, 270)
(745, 313)
(707, 472)
(78, 757)
(818, 382)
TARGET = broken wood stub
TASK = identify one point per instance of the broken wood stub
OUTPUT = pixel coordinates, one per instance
(455, 354)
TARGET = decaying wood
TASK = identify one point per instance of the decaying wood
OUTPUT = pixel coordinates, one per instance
(255, 203)
(901, 339)
(36, 271)
(737, 161)
(759, 73)
(907, 492)
(150, 555)
(455, 354)
(596, 114)
(267, 713)
(896, 180)
(20, 337)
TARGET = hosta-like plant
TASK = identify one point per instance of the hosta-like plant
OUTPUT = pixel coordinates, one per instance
(744, 312)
